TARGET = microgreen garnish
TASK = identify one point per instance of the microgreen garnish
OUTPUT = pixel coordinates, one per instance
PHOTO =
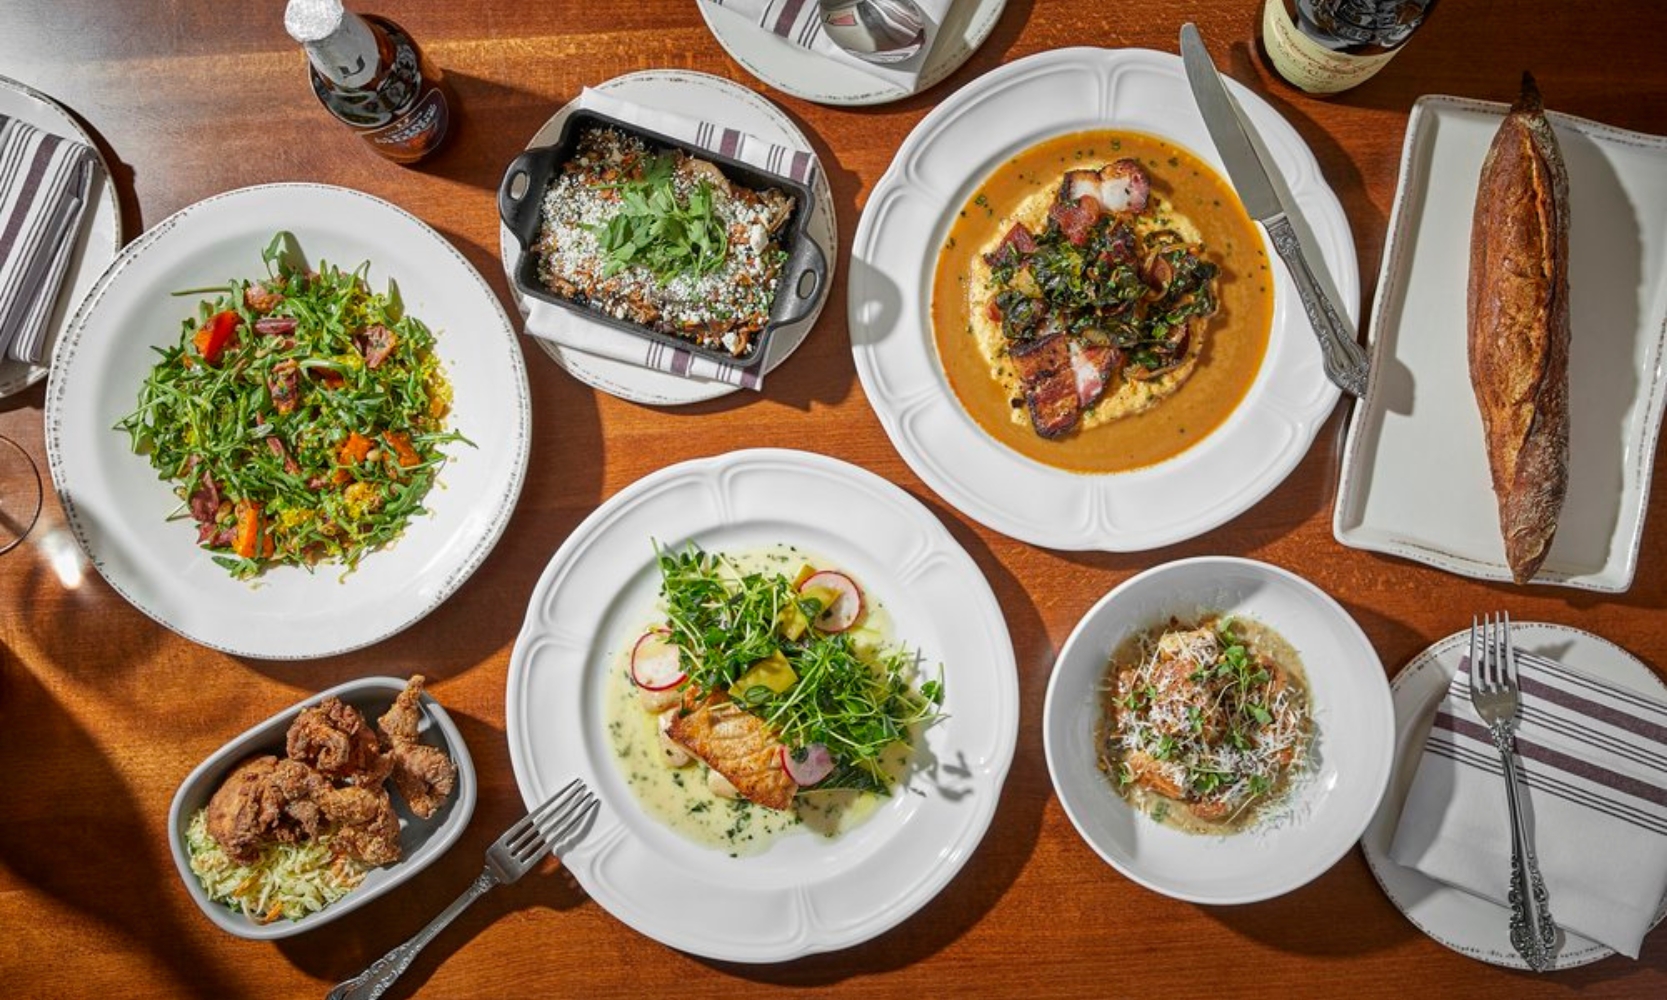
(667, 233)
(858, 702)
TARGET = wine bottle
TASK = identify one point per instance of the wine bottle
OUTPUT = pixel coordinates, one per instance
(1326, 46)
(370, 74)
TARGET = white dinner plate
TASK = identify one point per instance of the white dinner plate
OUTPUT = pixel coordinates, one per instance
(119, 509)
(712, 98)
(101, 226)
(806, 893)
(904, 223)
(1463, 922)
(1419, 423)
(792, 70)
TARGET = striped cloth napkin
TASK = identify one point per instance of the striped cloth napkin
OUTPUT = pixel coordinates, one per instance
(1593, 757)
(572, 329)
(45, 183)
(798, 22)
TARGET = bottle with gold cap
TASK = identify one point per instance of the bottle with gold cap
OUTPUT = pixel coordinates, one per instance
(372, 76)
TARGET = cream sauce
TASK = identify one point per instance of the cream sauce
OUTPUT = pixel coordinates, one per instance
(679, 796)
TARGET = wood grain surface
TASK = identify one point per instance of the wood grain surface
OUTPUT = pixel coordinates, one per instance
(103, 711)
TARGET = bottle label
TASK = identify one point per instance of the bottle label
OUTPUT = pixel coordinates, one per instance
(421, 128)
(1307, 63)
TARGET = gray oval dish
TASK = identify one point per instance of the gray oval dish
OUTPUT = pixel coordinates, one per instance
(421, 841)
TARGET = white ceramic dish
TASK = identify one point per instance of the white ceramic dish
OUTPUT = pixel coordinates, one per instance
(806, 893)
(422, 841)
(1354, 720)
(1465, 923)
(101, 225)
(895, 253)
(1419, 423)
(119, 509)
(711, 98)
(792, 70)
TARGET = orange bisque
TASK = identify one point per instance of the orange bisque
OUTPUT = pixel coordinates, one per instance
(1236, 337)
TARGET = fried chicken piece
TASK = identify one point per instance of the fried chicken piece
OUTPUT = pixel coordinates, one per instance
(334, 738)
(245, 811)
(366, 826)
(423, 775)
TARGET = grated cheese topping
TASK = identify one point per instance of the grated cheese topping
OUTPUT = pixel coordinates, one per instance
(719, 310)
(1206, 719)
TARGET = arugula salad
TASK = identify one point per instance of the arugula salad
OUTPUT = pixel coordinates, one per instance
(300, 416)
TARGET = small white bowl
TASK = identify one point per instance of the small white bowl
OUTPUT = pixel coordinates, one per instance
(421, 841)
(1354, 717)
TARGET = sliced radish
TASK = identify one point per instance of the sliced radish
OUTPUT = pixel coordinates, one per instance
(807, 765)
(846, 607)
(654, 663)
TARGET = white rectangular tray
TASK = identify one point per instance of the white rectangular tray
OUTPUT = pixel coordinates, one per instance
(1414, 478)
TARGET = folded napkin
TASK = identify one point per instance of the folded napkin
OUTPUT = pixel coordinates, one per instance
(1593, 757)
(572, 329)
(798, 22)
(45, 183)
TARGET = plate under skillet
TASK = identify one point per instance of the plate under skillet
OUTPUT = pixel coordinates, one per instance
(120, 511)
(1465, 923)
(806, 893)
(894, 255)
(712, 98)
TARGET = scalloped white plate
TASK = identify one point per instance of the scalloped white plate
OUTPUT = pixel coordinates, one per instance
(947, 155)
(806, 893)
(119, 509)
(1419, 424)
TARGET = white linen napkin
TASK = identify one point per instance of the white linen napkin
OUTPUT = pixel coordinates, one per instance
(572, 329)
(45, 181)
(1593, 757)
(798, 22)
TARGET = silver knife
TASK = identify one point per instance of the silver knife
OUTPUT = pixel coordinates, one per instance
(1345, 360)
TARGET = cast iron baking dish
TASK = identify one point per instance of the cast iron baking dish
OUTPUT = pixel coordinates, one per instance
(521, 199)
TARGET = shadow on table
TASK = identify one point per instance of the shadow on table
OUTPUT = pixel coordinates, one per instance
(362, 937)
(75, 807)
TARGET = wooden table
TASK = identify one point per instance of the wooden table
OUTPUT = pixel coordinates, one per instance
(103, 711)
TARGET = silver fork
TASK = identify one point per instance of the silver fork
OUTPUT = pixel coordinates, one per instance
(1493, 692)
(511, 856)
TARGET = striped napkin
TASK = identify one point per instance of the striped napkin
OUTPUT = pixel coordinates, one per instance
(1593, 757)
(798, 22)
(572, 329)
(45, 183)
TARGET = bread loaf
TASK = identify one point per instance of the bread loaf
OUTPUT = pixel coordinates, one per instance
(1519, 327)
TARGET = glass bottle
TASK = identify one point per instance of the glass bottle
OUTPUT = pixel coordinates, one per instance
(370, 74)
(1327, 46)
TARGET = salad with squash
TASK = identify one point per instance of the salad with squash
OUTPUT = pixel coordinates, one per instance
(301, 416)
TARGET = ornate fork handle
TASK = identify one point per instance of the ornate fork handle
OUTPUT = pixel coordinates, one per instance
(374, 981)
(1344, 359)
(1533, 934)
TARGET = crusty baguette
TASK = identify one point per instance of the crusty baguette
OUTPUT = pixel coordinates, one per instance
(1519, 327)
